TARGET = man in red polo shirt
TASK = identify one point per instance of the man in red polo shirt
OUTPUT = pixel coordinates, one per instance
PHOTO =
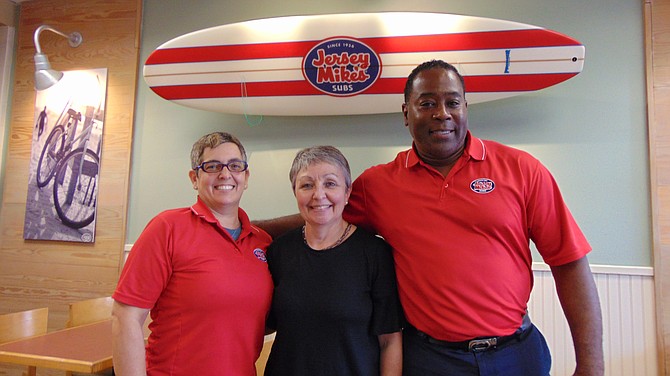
(460, 213)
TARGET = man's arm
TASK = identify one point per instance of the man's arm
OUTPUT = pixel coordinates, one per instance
(278, 226)
(579, 299)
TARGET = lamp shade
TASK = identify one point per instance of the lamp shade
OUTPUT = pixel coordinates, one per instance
(45, 77)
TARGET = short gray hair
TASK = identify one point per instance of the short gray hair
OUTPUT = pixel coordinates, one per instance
(319, 154)
(213, 140)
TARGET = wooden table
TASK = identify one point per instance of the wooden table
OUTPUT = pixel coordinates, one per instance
(86, 349)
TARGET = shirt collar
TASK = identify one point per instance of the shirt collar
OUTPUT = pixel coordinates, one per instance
(202, 211)
(474, 148)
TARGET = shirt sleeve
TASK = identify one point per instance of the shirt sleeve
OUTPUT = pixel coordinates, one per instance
(355, 212)
(148, 269)
(552, 228)
(387, 315)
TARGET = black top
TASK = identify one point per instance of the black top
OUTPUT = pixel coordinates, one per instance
(329, 306)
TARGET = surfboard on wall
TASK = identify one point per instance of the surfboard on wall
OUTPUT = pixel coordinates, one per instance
(342, 64)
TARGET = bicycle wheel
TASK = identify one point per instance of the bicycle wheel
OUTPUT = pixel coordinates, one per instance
(51, 154)
(76, 188)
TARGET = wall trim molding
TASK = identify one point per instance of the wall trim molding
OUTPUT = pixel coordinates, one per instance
(607, 269)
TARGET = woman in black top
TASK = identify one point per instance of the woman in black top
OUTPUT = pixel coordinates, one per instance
(335, 305)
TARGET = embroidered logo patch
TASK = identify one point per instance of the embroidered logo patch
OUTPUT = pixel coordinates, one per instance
(482, 185)
(260, 254)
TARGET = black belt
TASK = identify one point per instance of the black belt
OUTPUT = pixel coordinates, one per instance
(474, 345)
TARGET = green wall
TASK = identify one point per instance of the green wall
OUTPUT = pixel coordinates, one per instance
(590, 130)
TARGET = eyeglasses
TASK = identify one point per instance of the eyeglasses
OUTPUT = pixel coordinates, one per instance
(213, 167)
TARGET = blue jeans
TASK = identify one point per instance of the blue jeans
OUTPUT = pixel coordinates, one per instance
(528, 356)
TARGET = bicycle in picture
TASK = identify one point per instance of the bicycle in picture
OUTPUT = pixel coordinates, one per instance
(74, 169)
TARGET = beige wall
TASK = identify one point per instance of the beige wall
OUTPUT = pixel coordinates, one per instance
(8, 15)
(7, 11)
(49, 273)
(657, 21)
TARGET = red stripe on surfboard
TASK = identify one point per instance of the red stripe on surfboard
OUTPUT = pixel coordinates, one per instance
(381, 45)
(474, 84)
(471, 41)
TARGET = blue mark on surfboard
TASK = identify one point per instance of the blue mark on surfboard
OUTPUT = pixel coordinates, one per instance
(507, 52)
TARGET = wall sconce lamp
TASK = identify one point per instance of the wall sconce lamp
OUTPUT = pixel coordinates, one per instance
(45, 77)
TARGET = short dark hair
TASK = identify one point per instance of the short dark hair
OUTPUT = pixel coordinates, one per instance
(431, 64)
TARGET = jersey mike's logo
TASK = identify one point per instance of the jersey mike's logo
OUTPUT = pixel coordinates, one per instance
(482, 185)
(260, 254)
(341, 66)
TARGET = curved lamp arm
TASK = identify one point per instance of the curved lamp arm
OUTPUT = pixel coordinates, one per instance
(46, 77)
(74, 38)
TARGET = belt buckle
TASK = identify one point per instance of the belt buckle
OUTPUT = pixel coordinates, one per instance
(477, 345)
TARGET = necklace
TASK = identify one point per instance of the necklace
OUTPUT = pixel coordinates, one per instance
(338, 242)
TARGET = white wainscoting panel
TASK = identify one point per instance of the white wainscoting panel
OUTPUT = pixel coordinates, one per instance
(629, 326)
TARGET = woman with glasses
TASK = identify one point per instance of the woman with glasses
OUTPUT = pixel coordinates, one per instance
(335, 306)
(202, 273)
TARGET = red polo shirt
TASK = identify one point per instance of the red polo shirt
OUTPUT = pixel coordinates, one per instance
(461, 243)
(209, 295)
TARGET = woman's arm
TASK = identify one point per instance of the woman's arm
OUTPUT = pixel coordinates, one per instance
(128, 339)
(390, 358)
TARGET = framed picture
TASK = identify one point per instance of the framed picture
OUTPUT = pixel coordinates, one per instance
(64, 175)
